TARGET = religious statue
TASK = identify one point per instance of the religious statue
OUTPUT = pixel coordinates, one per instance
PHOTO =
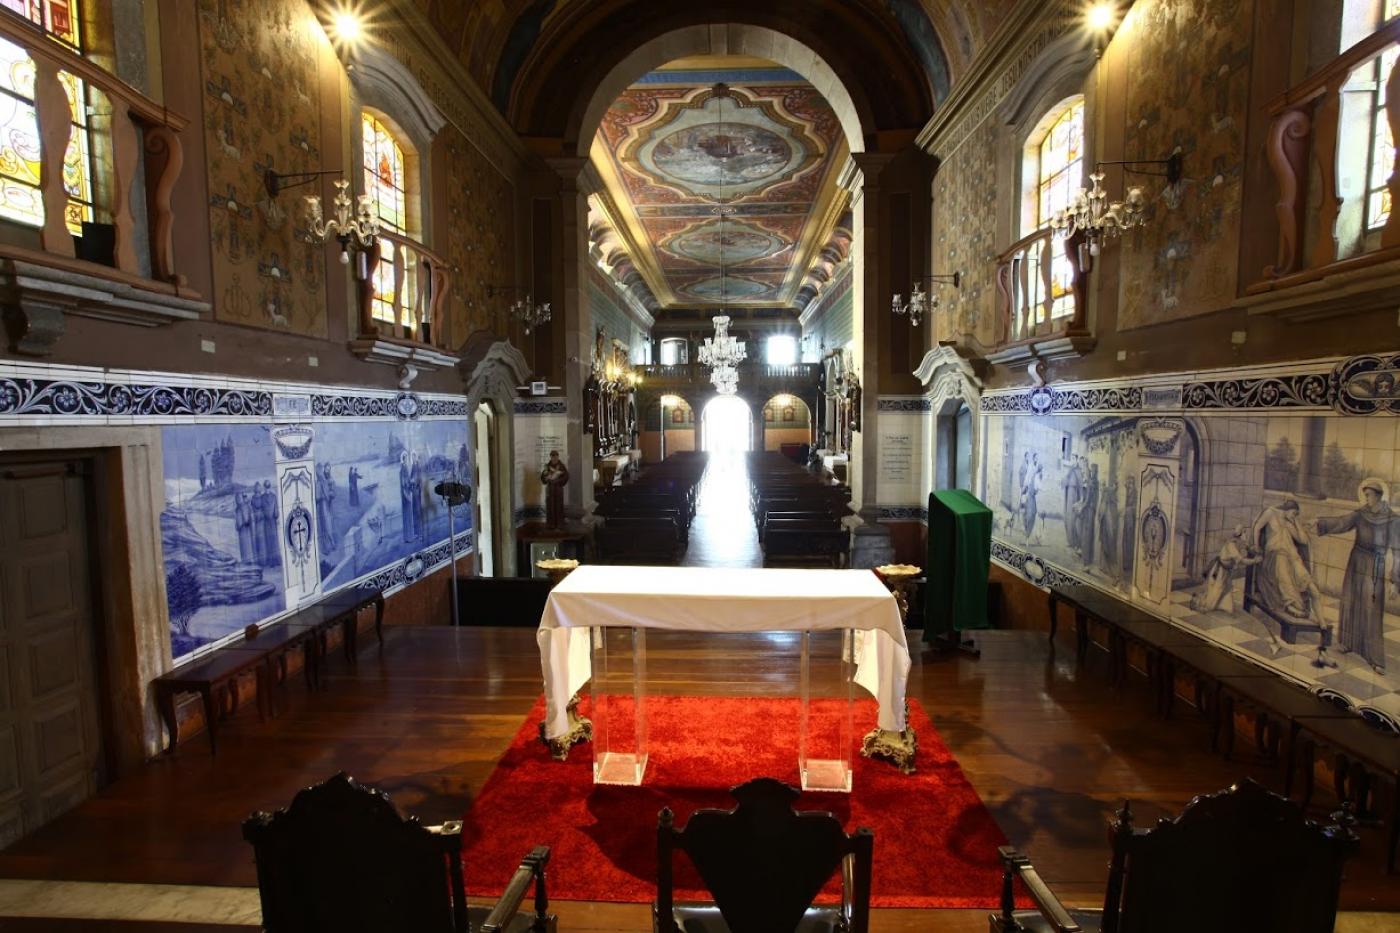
(554, 477)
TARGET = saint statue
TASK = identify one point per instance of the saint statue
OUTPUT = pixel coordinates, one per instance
(554, 477)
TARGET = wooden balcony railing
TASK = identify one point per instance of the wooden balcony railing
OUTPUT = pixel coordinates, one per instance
(416, 293)
(1314, 125)
(1026, 294)
(795, 376)
(132, 115)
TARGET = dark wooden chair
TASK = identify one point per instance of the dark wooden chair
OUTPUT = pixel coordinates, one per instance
(341, 859)
(1243, 860)
(764, 864)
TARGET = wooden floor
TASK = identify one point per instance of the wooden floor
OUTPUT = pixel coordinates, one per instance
(1050, 749)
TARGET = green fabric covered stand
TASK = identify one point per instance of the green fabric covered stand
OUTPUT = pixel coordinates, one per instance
(959, 555)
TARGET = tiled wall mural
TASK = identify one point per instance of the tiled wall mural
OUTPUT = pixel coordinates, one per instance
(1252, 507)
(259, 517)
(274, 493)
(262, 111)
(1188, 89)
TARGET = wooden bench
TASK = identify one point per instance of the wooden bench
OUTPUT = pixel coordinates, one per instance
(214, 677)
(640, 538)
(829, 546)
(1284, 714)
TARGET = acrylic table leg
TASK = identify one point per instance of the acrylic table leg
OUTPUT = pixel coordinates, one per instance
(165, 702)
(1393, 836)
(1309, 748)
(211, 717)
(1290, 759)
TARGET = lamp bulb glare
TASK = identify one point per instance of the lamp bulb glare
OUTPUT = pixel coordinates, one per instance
(1101, 16)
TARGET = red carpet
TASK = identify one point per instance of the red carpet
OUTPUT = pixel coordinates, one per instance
(935, 842)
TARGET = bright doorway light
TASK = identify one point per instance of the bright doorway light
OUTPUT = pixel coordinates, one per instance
(726, 426)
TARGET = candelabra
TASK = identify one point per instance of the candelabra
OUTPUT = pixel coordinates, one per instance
(529, 314)
(358, 229)
(1093, 215)
(919, 301)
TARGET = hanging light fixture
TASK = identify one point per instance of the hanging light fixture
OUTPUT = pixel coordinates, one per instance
(524, 310)
(919, 301)
(1093, 215)
(529, 314)
(723, 352)
(358, 230)
(725, 379)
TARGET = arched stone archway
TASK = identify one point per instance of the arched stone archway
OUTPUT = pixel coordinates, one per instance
(730, 39)
(491, 371)
(950, 383)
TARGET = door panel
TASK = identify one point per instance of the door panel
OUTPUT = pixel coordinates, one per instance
(50, 742)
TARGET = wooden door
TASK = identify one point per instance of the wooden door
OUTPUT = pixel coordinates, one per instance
(50, 737)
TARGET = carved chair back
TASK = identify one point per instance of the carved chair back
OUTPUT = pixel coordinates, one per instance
(342, 859)
(1238, 860)
(765, 863)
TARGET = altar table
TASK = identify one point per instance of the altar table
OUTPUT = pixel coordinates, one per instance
(721, 600)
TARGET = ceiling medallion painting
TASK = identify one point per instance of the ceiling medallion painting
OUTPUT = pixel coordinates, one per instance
(735, 242)
(715, 287)
(758, 142)
(722, 145)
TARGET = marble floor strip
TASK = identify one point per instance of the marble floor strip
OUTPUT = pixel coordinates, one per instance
(168, 903)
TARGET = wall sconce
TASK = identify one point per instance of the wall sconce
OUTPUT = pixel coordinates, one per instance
(358, 230)
(1092, 214)
(524, 310)
(919, 301)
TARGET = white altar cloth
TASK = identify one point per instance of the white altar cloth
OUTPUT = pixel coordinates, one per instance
(722, 600)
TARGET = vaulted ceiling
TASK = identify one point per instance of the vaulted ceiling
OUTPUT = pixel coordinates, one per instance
(501, 41)
(722, 172)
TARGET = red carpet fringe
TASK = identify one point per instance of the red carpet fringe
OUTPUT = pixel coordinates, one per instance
(935, 842)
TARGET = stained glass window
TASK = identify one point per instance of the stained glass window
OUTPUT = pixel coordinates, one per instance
(1381, 158)
(385, 184)
(1060, 175)
(19, 128)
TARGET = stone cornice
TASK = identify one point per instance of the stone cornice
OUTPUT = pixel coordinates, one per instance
(422, 50)
(998, 67)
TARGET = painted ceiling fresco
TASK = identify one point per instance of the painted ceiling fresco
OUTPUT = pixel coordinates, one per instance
(721, 167)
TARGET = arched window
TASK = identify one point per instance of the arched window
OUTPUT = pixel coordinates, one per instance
(386, 180)
(1052, 173)
(386, 173)
(20, 200)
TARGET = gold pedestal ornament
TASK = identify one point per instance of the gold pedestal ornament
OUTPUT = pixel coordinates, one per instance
(898, 748)
(580, 730)
(557, 568)
(900, 579)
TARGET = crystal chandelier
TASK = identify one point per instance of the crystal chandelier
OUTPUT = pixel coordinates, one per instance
(1092, 215)
(723, 352)
(723, 349)
(725, 379)
(919, 301)
(361, 229)
(529, 314)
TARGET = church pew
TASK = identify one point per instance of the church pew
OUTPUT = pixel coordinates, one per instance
(646, 540)
(831, 547)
